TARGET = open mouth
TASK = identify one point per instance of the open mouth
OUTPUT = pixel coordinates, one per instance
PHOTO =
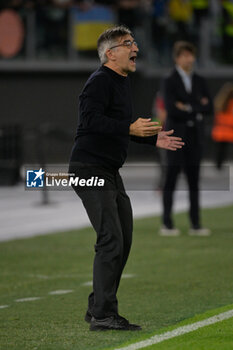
(133, 59)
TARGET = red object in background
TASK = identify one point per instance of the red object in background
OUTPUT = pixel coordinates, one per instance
(223, 125)
(159, 102)
(11, 33)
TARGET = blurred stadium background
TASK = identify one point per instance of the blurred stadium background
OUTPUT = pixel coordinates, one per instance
(47, 51)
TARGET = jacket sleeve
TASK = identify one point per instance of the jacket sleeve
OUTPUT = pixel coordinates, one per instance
(151, 140)
(94, 100)
(197, 106)
(170, 99)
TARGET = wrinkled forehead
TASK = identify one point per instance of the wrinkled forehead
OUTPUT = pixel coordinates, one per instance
(125, 38)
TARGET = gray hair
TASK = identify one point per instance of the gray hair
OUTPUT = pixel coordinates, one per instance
(109, 38)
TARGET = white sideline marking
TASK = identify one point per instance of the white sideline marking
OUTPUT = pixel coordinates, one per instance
(179, 331)
(128, 275)
(3, 306)
(59, 292)
(87, 284)
(45, 277)
(27, 299)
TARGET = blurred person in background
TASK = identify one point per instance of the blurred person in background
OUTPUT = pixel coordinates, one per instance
(104, 130)
(180, 12)
(222, 132)
(52, 26)
(200, 9)
(16, 4)
(106, 2)
(187, 102)
(129, 13)
(159, 113)
(11, 4)
(159, 24)
(227, 30)
(86, 4)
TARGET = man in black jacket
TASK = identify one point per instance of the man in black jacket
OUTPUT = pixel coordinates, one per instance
(187, 102)
(104, 129)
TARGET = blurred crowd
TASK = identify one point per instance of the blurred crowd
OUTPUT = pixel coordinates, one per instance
(160, 21)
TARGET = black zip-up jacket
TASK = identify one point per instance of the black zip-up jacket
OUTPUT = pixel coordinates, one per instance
(105, 114)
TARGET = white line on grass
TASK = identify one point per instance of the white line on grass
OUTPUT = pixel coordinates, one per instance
(51, 277)
(128, 275)
(3, 306)
(87, 284)
(43, 277)
(61, 291)
(27, 299)
(179, 331)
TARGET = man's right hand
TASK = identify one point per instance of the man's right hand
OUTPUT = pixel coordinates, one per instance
(144, 127)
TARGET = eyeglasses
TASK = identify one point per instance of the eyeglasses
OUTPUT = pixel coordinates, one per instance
(126, 43)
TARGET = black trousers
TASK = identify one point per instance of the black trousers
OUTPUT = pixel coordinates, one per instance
(192, 175)
(221, 152)
(110, 213)
(187, 160)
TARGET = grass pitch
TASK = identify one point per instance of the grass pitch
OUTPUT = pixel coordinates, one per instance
(174, 278)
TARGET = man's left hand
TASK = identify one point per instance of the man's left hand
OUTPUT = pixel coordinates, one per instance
(166, 141)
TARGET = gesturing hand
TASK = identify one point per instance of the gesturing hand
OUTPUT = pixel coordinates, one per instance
(166, 141)
(144, 127)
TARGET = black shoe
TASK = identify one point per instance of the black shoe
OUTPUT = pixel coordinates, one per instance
(132, 326)
(113, 323)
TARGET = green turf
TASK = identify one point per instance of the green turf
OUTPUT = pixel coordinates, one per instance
(215, 336)
(175, 278)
